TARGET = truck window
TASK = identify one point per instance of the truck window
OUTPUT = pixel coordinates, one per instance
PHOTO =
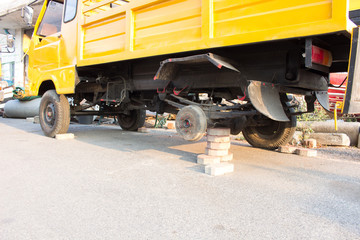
(70, 10)
(51, 22)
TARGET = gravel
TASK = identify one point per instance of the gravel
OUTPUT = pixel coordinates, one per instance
(341, 153)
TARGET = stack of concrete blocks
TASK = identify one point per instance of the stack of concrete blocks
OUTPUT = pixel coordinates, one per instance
(217, 152)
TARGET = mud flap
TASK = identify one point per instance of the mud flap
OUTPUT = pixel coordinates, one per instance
(266, 99)
(323, 99)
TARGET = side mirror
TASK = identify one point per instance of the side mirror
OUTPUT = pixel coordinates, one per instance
(27, 13)
(10, 41)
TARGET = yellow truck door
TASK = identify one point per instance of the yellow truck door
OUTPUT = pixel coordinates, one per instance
(52, 42)
(46, 49)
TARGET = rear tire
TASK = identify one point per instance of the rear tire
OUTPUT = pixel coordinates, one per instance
(132, 121)
(54, 113)
(272, 136)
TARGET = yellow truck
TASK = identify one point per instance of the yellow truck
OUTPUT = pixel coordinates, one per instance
(214, 63)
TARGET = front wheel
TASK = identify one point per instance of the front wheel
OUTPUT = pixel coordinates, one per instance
(272, 135)
(54, 113)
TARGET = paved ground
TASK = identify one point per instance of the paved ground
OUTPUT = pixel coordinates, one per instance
(110, 184)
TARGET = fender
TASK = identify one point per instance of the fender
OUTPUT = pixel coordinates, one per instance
(64, 79)
(265, 98)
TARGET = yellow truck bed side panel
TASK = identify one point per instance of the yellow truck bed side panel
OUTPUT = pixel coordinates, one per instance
(109, 35)
(145, 28)
(251, 16)
(166, 24)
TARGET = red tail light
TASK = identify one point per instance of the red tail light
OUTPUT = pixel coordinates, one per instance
(321, 56)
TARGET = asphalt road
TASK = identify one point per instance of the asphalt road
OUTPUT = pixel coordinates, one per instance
(111, 184)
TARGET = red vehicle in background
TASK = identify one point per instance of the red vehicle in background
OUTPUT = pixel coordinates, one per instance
(337, 92)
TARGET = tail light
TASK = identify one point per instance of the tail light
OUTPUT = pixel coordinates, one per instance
(317, 58)
(321, 56)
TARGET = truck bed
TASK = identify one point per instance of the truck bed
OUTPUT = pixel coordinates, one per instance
(143, 28)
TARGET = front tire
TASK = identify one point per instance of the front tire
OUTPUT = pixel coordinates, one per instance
(271, 136)
(54, 113)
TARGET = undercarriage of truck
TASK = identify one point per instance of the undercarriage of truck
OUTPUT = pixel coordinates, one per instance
(223, 63)
(246, 88)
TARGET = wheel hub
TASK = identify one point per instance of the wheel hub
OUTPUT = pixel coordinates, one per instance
(187, 123)
(191, 123)
(50, 114)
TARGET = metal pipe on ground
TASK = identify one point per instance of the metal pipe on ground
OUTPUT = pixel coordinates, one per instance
(22, 109)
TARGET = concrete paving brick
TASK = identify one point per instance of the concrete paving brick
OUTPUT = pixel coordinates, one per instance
(331, 139)
(64, 136)
(170, 125)
(143, 130)
(215, 152)
(219, 131)
(206, 159)
(218, 139)
(287, 149)
(30, 119)
(296, 138)
(36, 120)
(310, 143)
(227, 158)
(219, 146)
(217, 169)
(306, 152)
